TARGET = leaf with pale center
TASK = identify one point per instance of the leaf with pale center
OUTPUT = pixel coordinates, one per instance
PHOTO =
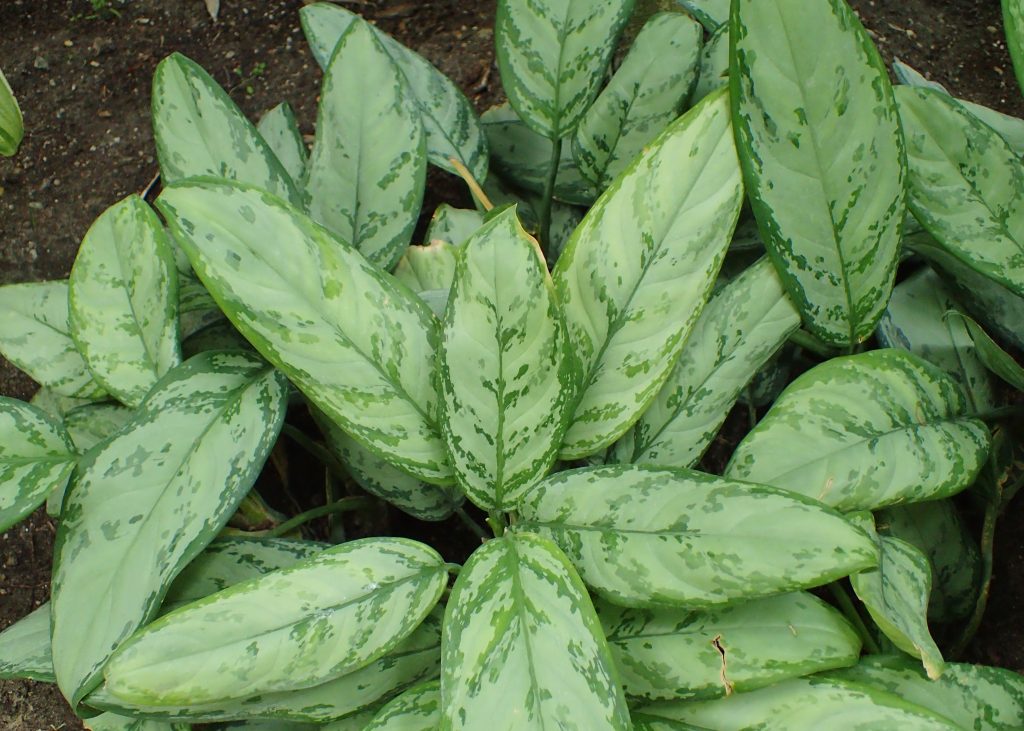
(280, 130)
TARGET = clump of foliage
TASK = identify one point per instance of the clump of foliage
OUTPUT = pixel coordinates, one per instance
(740, 212)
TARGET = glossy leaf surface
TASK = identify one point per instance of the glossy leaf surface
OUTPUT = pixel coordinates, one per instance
(280, 130)
(417, 709)
(25, 648)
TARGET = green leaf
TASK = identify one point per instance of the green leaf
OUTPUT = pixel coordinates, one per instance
(712, 14)
(966, 186)
(218, 335)
(115, 722)
(640, 266)
(665, 654)
(36, 337)
(123, 297)
(280, 130)
(355, 341)
(714, 64)
(453, 225)
(916, 320)
(146, 502)
(1013, 24)
(36, 458)
(643, 722)
(12, 128)
(429, 268)
(895, 594)
(743, 325)
(647, 537)
(972, 696)
(368, 167)
(417, 709)
(823, 157)
(451, 125)
(199, 131)
(365, 597)
(552, 55)
(25, 648)
(522, 644)
(875, 429)
(90, 424)
(805, 704)
(506, 379)
(644, 95)
(991, 354)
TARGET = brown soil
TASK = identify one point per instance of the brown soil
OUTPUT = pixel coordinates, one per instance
(83, 77)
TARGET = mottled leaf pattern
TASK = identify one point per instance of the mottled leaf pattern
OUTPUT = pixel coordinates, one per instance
(506, 379)
(1013, 24)
(640, 266)
(280, 130)
(124, 301)
(12, 127)
(25, 648)
(822, 156)
(644, 95)
(874, 429)
(714, 64)
(453, 225)
(665, 654)
(417, 709)
(115, 722)
(552, 55)
(199, 131)
(357, 343)
(36, 337)
(522, 648)
(368, 168)
(739, 330)
(429, 271)
(648, 537)
(712, 14)
(36, 458)
(90, 424)
(146, 502)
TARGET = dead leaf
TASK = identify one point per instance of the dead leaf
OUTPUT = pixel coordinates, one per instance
(212, 7)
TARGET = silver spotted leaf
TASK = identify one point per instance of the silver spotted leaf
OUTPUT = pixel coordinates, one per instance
(874, 429)
(124, 301)
(90, 424)
(639, 268)
(451, 126)
(146, 502)
(453, 225)
(355, 722)
(966, 186)
(429, 271)
(116, 722)
(357, 343)
(280, 130)
(522, 648)
(973, 696)
(649, 537)
(823, 157)
(199, 130)
(368, 167)
(712, 14)
(506, 379)
(35, 335)
(740, 329)
(37, 457)
(645, 94)
(714, 64)
(1013, 24)
(552, 55)
(666, 654)
(25, 648)
(417, 709)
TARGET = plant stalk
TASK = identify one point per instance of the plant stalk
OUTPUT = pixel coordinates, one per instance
(810, 342)
(472, 525)
(549, 194)
(850, 612)
(344, 505)
(317, 450)
(988, 536)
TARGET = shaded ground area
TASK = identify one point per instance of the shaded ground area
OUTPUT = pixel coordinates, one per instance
(82, 77)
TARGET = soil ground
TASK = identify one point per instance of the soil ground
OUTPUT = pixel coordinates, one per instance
(82, 76)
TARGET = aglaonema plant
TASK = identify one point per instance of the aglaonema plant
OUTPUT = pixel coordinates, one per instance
(562, 357)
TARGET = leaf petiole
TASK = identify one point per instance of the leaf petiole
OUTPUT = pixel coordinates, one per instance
(344, 505)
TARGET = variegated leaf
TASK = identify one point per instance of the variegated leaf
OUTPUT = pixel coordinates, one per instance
(36, 458)
(647, 537)
(823, 157)
(875, 429)
(972, 696)
(966, 185)
(645, 94)
(25, 648)
(995, 359)
(1013, 24)
(712, 14)
(506, 379)
(368, 167)
(638, 269)
(665, 654)
(199, 131)
(123, 297)
(280, 130)
(805, 704)
(643, 722)
(90, 424)
(453, 225)
(522, 648)
(36, 337)
(219, 335)
(53, 403)
(895, 594)
(286, 726)
(146, 502)
(451, 126)
(115, 722)
(417, 709)
(356, 722)
(714, 64)
(416, 658)
(552, 55)
(356, 342)
(743, 325)
(321, 618)
(429, 268)
(12, 127)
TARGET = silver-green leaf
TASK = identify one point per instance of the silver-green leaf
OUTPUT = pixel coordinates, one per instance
(417, 709)
(1013, 24)
(280, 130)
(712, 14)
(25, 648)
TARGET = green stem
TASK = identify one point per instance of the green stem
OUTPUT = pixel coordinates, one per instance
(988, 536)
(851, 613)
(497, 523)
(472, 525)
(317, 450)
(810, 342)
(549, 194)
(341, 506)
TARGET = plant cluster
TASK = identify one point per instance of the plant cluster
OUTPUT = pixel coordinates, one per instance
(743, 210)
